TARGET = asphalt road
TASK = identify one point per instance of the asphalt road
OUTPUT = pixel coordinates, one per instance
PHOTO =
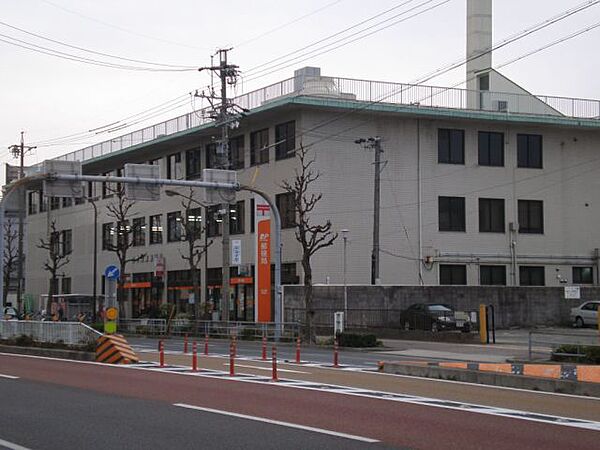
(63, 404)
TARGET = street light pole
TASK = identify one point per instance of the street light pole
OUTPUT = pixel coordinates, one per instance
(345, 238)
(93, 200)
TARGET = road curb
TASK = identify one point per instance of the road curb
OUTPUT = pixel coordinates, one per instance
(493, 378)
(49, 352)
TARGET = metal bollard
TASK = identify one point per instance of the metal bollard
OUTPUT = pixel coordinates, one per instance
(206, 345)
(264, 348)
(298, 350)
(231, 360)
(194, 356)
(335, 354)
(185, 343)
(161, 353)
(274, 354)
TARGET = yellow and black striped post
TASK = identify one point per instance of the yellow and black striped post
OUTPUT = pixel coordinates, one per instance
(114, 349)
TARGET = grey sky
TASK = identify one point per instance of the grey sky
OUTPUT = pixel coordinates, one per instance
(49, 97)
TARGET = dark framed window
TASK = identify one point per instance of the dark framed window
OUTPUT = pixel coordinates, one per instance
(32, 202)
(108, 189)
(139, 231)
(531, 216)
(252, 217)
(236, 153)
(288, 274)
(285, 140)
(155, 162)
(66, 240)
(259, 147)
(54, 203)
(174, 226)
(193, 164)
(213, 221)
(453, 274)
(211, 156)
(108, 232)
(583, 275)
(174, 167)
(451, 146)
(156, 229)
(491, 215)
(79, 200)
(123, 233)
(287, 210)
(43, 202)
(66, 285)
(492, 275)
(236, 218)
(532, 276)
(529, 151)
(451, 212)
(193, 223)
(67, 202)
(491, 149)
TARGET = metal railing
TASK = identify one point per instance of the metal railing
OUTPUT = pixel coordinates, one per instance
(543, 344)
(70, 333)
(363, 91)
(201, 328)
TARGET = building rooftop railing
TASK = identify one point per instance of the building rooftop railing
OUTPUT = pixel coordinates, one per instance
(361, 91)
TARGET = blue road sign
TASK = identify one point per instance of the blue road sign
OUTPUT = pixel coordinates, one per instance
(112, 272)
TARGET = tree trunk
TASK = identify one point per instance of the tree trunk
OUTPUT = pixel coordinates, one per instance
(50, 295)
(196, 289)
(6, 286)
(310, 333)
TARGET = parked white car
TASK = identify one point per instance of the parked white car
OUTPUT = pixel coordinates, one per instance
(585, 314)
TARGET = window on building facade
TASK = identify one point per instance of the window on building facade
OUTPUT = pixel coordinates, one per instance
(66, 239)
(174, 167)
(194, 220)
(155, 162)
(531, 216)
(55, 242)
(108, 233)
(79, 200)
(491, 215)
(174, 226)
(236, 218)
(236, 153)
(529, 151)
(288, 274)
(156, 229)
(66, 285)
(451, 146)
(453, 274)
(193, 164)
(67, 202)
(287, 210)
(492, 275)
(583, 275)
(123, 233)
(491, 149)
(139, 231)
(451, 211)
(285, 140)
(54, 203)
(211, 156)
(213, 221)
(532, 276)
(32, 202)
(259, 147)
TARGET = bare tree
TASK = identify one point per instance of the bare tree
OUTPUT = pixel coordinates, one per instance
(312, 237)
(192, 232)
(11, 256)
(120, 210)
(56, 260)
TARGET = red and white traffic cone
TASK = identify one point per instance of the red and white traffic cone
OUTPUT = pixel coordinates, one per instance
(194, 356)
(264, 348)
(274, 375)
(206, 345)
(298, 350)
(161, 353)
(335, 354)
(185, 343)
(231, 359)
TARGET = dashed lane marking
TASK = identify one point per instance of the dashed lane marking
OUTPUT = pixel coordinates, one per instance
(10, 377)
(11, 445)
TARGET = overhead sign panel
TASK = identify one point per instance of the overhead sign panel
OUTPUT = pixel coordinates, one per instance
(63, 188)
(218, 196)
(142, 191)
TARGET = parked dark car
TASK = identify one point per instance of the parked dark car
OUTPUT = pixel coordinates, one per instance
(432, 317)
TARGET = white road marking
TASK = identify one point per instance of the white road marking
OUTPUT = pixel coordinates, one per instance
(266, 368)
(11, 445)
(278, 422)
(10, 377)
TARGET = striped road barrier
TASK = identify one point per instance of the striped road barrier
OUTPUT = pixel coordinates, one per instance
(114, 349)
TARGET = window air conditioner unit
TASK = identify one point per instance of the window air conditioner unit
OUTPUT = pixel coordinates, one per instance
(500, 105)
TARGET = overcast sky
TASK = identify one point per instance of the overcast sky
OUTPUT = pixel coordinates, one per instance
(48, 97)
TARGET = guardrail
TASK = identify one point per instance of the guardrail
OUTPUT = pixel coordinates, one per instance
(70, 333)
(543, 344)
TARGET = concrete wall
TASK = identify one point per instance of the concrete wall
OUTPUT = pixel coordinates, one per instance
(514, 306)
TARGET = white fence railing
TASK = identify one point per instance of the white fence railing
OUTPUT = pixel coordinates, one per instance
(70, 333)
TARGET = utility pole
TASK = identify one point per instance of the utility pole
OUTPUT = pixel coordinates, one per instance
(18, 151)
(228, 74)
(375, 144)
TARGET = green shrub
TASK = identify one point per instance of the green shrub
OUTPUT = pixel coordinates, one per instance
(98, 326)
(357, 340)
(247, 334)
(24, 341)
(590, 354)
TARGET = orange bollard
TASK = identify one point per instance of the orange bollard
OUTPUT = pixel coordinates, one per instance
(264, 348)
(335, 354)
(298, 350)
(185, 343)
(194, 356)
(161, 353)
(231, 360)
(274, 353)
(206, 345)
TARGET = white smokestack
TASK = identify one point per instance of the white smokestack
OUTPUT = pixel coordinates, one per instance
(479, 40)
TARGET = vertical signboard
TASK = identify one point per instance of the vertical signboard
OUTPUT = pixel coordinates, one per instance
(262, 283)
(236, 252)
